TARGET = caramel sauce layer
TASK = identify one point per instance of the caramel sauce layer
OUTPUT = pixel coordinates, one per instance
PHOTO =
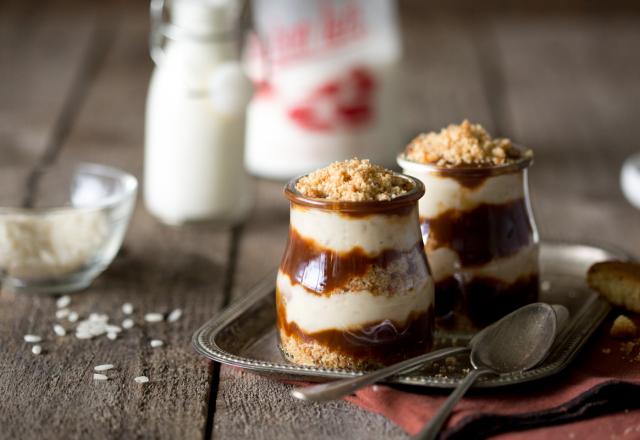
(383, 342)
(483, 300)
(322, 271)
(481, 234)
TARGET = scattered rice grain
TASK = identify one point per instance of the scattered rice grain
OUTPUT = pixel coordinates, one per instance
(73, 316)
(103, 367)
(62, 313)
(155, 343)
(97, 376)
(59, 330)
(174, 315)
(141, 379)
(91, 328)
(63, 301)
(98, 317)
(127, 308)
(113, 328)
(36, 349)
(127, 323)
(112, 336)
(153, 317)
(32, 338)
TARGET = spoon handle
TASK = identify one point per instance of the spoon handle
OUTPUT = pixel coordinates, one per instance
(344, 387)
(431, 430)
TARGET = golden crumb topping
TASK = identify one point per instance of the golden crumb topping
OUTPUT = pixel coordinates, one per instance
(463, 145)
(354, 180)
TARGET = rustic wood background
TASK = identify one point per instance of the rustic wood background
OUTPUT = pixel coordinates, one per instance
(564, 80)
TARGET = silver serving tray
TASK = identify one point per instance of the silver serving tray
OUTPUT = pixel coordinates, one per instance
(244, 335)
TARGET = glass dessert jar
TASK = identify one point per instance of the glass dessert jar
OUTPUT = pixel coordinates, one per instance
(354, 289)
(480, 238)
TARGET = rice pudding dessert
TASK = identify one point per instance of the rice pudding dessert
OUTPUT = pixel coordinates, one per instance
(478, 227)
(354, 289)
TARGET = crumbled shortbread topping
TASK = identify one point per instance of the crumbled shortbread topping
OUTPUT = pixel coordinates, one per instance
(354, 180)
(460, 145)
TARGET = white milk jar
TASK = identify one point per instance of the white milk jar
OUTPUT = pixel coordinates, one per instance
(195, 116)
(326, 74)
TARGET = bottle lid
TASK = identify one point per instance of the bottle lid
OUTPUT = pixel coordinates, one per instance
(206, 17)
(196, 19)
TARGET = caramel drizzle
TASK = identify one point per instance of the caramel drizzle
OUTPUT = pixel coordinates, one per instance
(321, 271)
(385, 341)
(479, 235)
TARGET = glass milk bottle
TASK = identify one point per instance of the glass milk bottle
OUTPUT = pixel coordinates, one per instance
(195, 116)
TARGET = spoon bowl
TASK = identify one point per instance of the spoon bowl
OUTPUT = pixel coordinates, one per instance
(519, 342)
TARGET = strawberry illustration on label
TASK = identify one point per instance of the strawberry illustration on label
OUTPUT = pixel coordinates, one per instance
(343, 103)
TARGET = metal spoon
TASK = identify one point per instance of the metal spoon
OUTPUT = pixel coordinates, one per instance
(343, 387)
(518, 342)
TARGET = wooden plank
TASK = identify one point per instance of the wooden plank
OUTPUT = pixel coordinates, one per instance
(573, 95)
(161, 268)
(441, 87)
(442, 81)
(263, 409)
(40, 57)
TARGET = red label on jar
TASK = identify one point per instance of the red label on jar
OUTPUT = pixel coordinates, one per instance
(346, 102)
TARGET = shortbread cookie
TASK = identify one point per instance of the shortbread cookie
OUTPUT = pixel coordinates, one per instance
(618, 282)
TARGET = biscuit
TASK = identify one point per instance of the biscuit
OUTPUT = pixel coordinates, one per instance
(618, 282)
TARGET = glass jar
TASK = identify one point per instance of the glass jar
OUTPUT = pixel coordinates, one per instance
(195, 115)
(327, 77)
(354, 289)
(481, 240)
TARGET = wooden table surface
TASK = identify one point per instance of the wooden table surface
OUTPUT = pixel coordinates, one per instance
(73, 81)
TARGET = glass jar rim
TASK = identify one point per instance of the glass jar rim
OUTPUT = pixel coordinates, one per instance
(127, 182)
(520, 164)
(372, 206)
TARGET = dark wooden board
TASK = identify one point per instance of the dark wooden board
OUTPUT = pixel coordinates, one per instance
(41, 56)
(159, 269)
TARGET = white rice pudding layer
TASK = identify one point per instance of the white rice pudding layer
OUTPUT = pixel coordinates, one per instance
(347, 310)
(444, 263)
(444, 193)
(342, 233)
